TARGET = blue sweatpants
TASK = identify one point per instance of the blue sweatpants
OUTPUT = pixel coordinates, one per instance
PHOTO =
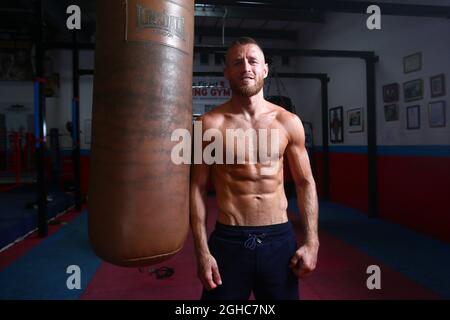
(254, 259)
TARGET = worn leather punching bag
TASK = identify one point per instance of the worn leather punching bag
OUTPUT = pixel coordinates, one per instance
(138, 198)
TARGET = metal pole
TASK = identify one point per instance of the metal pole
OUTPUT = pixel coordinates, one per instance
(372, 138)
(325, 131)
(76, 121)
(39, 115)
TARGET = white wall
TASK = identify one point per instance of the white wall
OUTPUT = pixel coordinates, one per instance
(16, 92)
(59, 109)
(399, 37)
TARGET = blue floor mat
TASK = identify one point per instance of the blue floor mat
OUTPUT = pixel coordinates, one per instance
(41, 272)
(16, 220)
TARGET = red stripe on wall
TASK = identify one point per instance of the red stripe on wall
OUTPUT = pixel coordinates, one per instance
(349, 180)
(415, 192)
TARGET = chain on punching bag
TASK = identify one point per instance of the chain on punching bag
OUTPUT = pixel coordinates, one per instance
(138, 198)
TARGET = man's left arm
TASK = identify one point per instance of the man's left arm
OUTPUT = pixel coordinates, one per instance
(305, 258)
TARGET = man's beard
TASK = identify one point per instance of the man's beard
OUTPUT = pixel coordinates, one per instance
(247, 90)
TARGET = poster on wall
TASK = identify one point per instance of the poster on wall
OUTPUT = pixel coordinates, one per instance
(208, 93)
(336, 125)
(413, 117)
(355, 120)
(391, 112)
(436, 114)
(437, 85)
(413, 90)
(412, 62)
(390, 92)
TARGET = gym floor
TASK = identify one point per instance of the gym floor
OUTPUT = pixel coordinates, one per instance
(413, 266)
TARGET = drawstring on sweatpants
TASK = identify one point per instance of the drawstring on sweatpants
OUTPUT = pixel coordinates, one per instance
(253, 240)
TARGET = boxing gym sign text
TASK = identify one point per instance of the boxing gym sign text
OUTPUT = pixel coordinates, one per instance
(206, 89)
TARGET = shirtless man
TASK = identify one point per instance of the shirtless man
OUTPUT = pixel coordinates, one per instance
(253, 247)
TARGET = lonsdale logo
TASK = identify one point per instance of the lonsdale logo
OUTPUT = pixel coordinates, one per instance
(170, 24)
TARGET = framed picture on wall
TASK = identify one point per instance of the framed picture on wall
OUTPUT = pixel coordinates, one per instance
(413, 90)
(412, 62)
(391, 112)
(355, 120)
(437, 85)
(391, 92)
(436, 114)
(336, 125)
(413, 117)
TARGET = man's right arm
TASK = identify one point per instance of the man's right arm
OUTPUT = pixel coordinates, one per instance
(208, 271)
(198, 194)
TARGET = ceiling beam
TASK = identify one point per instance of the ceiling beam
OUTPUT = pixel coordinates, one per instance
(233, 9)
(263, 13)
(395, 9)
(322, 6)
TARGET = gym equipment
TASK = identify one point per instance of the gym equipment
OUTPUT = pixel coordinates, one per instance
(280, 99)
(138, 198)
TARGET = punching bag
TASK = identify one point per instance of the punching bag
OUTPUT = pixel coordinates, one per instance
(138, 210)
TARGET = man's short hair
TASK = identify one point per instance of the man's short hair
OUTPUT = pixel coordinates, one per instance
(240, 42)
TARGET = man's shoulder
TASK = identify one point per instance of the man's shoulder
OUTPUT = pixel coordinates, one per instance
(213, 117)
(284, 116)
(290, 122)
